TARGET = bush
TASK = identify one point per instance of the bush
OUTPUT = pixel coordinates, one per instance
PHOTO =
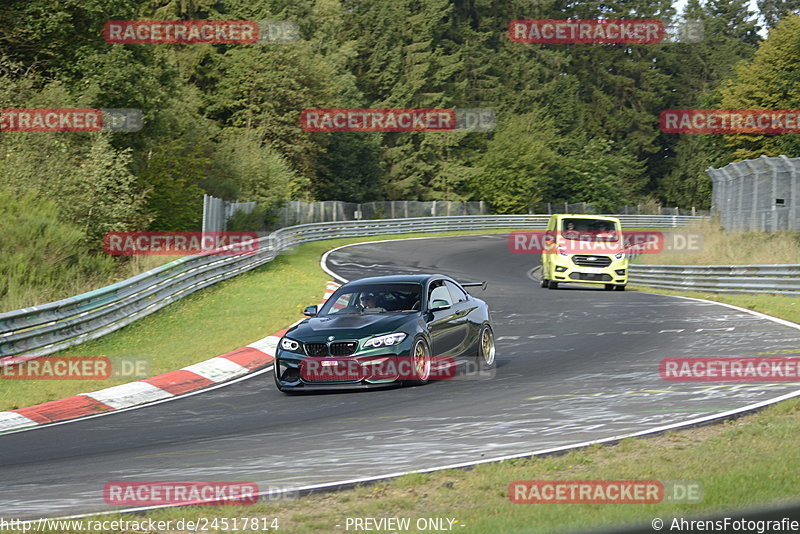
(41, 257)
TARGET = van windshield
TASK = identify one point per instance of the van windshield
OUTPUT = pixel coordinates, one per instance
(590, 230)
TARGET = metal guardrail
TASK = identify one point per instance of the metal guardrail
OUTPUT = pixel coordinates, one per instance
(781, 279)
(40, 330)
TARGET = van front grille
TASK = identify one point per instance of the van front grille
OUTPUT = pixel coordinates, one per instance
(591, 261)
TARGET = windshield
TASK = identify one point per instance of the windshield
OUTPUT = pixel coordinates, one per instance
(374, 298)
(590, 229)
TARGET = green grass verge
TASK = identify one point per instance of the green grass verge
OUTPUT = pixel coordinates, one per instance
(207, 323)
(751, 466)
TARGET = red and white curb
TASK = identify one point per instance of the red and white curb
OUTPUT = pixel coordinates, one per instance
(172, 384)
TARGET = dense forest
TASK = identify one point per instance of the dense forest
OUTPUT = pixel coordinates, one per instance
(575, 122)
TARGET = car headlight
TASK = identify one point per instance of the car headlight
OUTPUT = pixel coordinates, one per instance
(619, 255)
(385, 341)
(289, 344)
(562, 251)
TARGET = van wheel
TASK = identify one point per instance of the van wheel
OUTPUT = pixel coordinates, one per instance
(609, 287)
(543, 282)
(552, 285)
(619, 288)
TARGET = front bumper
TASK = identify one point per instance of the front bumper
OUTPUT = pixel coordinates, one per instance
(565, 270)
(365, 369)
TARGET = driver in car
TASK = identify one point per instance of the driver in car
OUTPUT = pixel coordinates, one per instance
(603, 231)
(369, 300)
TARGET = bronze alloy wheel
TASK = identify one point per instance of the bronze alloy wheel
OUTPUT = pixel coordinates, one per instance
(421, 359)
(487, 346)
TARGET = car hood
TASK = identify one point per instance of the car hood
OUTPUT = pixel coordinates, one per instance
(350, 326)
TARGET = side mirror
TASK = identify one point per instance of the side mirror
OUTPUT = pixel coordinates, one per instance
(439, 304)
(310, 311)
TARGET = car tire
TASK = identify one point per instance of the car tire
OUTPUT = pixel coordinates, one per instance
(609, 287)
(420, 362)
(552, 285)
(543, 282)
(619, 288)
(486, 348)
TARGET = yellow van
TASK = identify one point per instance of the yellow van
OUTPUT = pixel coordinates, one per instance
(584, 249)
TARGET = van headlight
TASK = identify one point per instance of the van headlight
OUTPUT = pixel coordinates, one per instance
(385, 341)
(289, 344)
(619, 255)
(562, 251)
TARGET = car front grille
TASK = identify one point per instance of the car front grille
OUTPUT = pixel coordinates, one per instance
(316, 349)
(344, 348)
(591, 276)
(591, 261)
(341, 372)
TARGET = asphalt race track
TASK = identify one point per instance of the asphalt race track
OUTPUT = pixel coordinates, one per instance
(574, 364)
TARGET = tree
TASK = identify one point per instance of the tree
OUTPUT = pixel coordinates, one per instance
(259, 171)
(103, 195)
(771, 80)
(600, 173)
(351, 169)
(773, 11)
(520, 162)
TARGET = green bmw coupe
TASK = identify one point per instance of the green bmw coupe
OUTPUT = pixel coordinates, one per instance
(379, 331)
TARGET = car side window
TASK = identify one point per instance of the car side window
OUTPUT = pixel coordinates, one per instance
(341, 303)
(456, 293)
(438, 295)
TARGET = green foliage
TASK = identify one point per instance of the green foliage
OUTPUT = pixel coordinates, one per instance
(602, 174)
(261, 172)
(771, 80)
(40, 254)
(688, 183)
(264, 89)
(579, 122)
(351, 169)
(527, 162)
(52, 37)
(102, 196)
(519, 161)
(172, 174)
(775, 10)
